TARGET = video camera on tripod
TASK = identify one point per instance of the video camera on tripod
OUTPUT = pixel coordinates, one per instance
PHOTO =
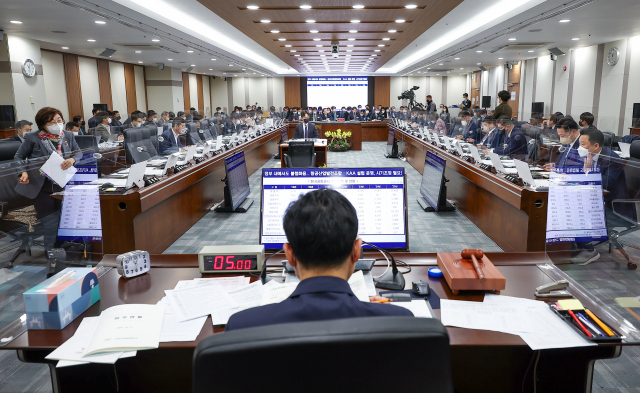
(411, 96)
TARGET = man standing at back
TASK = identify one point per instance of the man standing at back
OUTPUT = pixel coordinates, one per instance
(323, 247)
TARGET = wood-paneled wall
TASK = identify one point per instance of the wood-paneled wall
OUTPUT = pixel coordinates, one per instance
(104, 83)
(382, 91)
(476, 100)
(72, 78)
(200, 95)
(292, 91)
(513, 78)
(130, 87)
(186, 97)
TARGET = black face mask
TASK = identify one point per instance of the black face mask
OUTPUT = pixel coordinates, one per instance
(82, 124)
(306, 120)
(117, 118)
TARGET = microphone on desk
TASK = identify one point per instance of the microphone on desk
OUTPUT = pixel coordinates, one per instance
(393, 280)
(263, 273)
(141, 149)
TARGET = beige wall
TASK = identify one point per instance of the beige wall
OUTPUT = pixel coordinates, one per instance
(54, 82)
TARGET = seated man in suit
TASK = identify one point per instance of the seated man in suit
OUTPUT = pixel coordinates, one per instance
(74, 127)
(323, 247)
(22, 127)
(305, 129)
(93, 122)
(104, 127)
(352, 115)
(515, 144)
(471, 132)
(171, 138)
(492, 134)
(569, 133)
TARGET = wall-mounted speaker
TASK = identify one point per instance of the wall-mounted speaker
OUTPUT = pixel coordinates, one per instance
(161, 66)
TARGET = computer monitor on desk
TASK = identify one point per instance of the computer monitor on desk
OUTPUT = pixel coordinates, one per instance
(284, 135)
(433, 189)
(378, 195)
(236, 189)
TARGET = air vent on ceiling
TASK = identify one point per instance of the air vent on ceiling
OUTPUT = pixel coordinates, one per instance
(535, 30)
(140, 46)
(520, 46)
(440, 70)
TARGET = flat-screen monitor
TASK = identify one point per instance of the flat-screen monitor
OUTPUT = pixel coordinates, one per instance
(378, 195)
(486, 101)
(433, 180)
(636, 110)
(101, 107)
(390, 139)
(537, 107)
(339, 91)
(237, 179)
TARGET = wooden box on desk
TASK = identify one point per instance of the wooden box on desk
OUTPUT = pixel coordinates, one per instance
(461, 276)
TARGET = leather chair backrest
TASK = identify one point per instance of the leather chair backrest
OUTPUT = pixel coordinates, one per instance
(150, 139)
(609, 137)
(634, 149)
(133, 143)
(300, 154)
(318, 353)
(204, 124)
(192, 134)
(8, 150)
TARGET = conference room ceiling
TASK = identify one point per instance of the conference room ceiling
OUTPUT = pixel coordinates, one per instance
(302, 37)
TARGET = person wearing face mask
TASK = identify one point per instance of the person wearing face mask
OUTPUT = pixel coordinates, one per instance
(115, 119)
(104, 128)
(493, 136)
(306, 129)
(78, 119)
(286, 114)
(471, 132)
(466, 103)
(48, 139)
(430, 106)
(515, 144)
(295, 116)
(73, 127)
(569, 133)
(164, 118)
(152, 117)
(171, 138)
(22, 127)
(383, 114)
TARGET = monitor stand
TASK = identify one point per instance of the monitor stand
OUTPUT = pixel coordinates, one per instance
(444, 207)
(394, 150)
(226, 207)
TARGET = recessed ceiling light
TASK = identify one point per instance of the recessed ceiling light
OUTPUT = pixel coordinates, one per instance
(310, 21)
(479, 51)
(512, 39)
(410, 6)
(462, 68)
(170, 59)
(213, 59)
(91, 40)
(265, 21)
(155, 40)
(323, 55)
(140, 62)
(17, 22)
(305, 7)
(351, 39)
(189, 51)
(400, 21)
(282, 39)
(440, 64)
(318, 46)
(138, 51)
(530, 51)
(100, 22)
(428, 68)
(376, 50)
(237, 75)
(350, 46)
(386, 39)
(296, 55)
(275, 31)
(313, 31)
(353, 31)
(230, 65)
(478, 63)
(292, 51)
(500, 58)
(355, 21)
(457, 58)
(575, 39)
(287, 46)
(224, 73)
(565, 20)
(193, 65)
(210, 69)
(65, 47)
(252, 7)
(358, 6)
(381, 45)
(316, 39)
(349, 50)
(321, 51)
(438, 74)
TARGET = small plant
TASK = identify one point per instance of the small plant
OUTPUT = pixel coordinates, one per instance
(338, 140)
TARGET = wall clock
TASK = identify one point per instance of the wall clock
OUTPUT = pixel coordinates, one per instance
(29, 68)
(613, 56)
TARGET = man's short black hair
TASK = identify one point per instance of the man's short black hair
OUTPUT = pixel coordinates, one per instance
(218, 108)
(570, 124)
(177, 121)
(77, 118)
(465, 95)
(429, 96)
(70, 125)
(321, 227)
(20, 124)
(94, 110)
(180, 114)
(465, 114)
(595, 135)
(505, 121)
(483, 112)
(489, 119)
(305, 113)
(504, 95)
(135, 116)
(587, 117)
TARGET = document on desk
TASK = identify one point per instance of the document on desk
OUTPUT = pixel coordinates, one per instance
(52, 167)
(73, 349)
(128, 327)
(199, 301)
(371, 286)
(246, 297)
(358, 286)
(275, 293)
(418, 307)
(548, 330)
(173, 330)
(475, 315)
(227, 283)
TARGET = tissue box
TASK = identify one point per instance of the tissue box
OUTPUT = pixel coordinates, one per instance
(57, 301)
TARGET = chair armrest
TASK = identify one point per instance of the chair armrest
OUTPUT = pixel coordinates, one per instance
(287, 160)
(636, 202)
(4, 209)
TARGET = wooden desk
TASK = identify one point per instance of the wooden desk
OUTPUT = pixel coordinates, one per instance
(154, 217)
(634, 130)
(514, 217)
(7, 133)
(320, 150)
(482, 361)
(366, 131)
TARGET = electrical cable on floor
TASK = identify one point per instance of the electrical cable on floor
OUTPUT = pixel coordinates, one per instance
(535, 372)
(524, 379)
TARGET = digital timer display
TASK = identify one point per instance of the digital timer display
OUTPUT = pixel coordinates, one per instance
(220, 263)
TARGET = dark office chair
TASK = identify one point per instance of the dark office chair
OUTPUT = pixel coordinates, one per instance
(327, 356)
(457, 128)
(204, 124)
(8, 150)
(609, 138)
(300, 155)
(134, 148)
(150, 139)
(192, 134)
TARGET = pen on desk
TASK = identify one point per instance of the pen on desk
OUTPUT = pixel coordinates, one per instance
(584, 329)
(381, 301)
(590, 325)
(600, 323)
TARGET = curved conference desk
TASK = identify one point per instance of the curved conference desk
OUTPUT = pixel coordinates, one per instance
(514, 217)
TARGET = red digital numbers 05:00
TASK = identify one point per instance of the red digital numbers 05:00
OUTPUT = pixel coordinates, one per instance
(219, 263)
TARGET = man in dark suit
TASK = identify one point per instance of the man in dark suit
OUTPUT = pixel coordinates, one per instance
(493, 135)
(323, 247)
(466, 103)
(586, 120)
(171, 138)
(353, 115)
(569, 133)
(472, 132)
(93, 122)
(22, 127)
(305, 129)
(515, 144)
(430, 106)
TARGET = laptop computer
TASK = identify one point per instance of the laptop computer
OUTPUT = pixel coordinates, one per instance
(525, 173)
(495, 160)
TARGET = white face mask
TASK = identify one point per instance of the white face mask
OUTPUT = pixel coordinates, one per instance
(109, 120)
(566, 140)
(55, 129)
(377, 112)
(155, 120)
(464, 122)
(583, 151)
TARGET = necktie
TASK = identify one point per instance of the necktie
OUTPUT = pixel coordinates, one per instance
(305, 131)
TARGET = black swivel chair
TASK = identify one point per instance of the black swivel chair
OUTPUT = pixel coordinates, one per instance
(327, 356)
(192, 134)
(8, 150)
(300, 155)
(609, 138)
(134, 147)
(150, 139)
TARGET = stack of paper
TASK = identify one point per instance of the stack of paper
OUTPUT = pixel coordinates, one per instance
(532, 320)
